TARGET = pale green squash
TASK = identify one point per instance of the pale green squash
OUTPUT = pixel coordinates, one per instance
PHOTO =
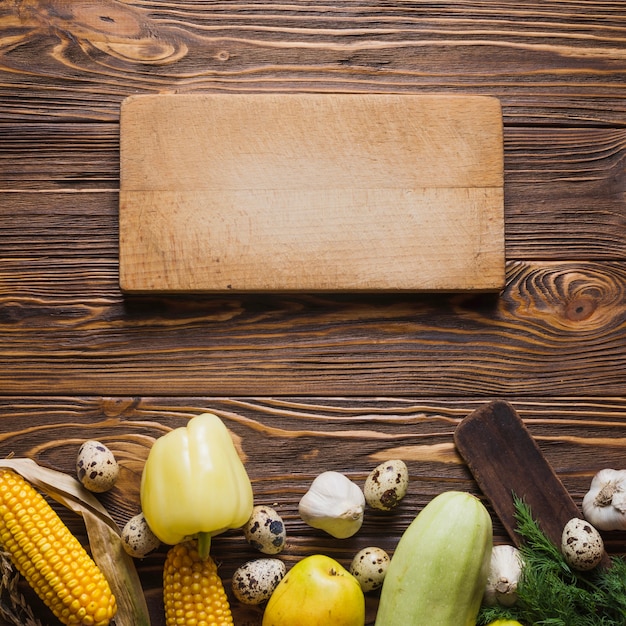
(438, 572)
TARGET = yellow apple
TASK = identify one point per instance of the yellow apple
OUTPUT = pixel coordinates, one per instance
(317, 591)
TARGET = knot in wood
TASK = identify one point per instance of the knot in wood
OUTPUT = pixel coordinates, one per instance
(580, 308)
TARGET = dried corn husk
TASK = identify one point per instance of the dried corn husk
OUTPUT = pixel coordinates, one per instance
(103, 532)
(13, 605)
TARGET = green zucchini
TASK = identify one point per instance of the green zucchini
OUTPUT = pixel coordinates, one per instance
(438, 571)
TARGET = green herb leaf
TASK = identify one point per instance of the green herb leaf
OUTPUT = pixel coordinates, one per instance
(551, 593)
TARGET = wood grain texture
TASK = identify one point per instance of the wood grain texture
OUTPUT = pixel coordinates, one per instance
(549, 62)
(311, 192)
(507, 463)
(67, 330)
(564, 187)
(287, 441)
(313, 382)
(572, 182)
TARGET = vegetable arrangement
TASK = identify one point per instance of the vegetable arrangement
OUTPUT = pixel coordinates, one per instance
(551, 591)
(443, 572)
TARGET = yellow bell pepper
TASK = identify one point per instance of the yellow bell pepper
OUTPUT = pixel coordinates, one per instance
(195, 484)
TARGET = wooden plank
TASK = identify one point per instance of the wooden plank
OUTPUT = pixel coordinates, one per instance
(506, 461)
(563, 185)
(556, 329)
(578, 437)
(311, 192)
(550, 62)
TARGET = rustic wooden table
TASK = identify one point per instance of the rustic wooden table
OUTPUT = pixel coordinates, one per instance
(312, 382)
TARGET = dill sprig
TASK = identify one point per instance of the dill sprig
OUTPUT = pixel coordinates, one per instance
(551, 593)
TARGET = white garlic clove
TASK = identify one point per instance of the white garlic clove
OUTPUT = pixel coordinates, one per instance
(581, 545)
(333, 504)
(604, 505)
(504, 574)
(618, 502)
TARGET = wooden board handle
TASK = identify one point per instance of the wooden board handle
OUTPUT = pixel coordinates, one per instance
(505, 459)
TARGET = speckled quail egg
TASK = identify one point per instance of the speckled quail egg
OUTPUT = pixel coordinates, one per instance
(137, 537)
(255, 581)
(369, 567)
(96, 467)
(265, 530)
(581, 544)
(386, 485)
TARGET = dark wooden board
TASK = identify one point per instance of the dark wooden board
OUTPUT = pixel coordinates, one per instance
(557, 329)
(505, 460)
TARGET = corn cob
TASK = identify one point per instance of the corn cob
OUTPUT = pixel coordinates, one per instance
(50, 558)
(193, 593)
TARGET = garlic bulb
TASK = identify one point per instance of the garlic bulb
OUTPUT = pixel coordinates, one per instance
(604, 505)
(333, 504)
(504, 573)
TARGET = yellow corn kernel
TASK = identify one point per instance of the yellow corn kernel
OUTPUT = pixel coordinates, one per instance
(193, 593)
(51, 559)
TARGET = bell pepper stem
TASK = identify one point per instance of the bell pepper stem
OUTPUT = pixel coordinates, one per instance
(204, 545)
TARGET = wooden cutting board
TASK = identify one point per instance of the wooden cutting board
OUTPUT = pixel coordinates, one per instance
(505, 459)
(318, 192)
